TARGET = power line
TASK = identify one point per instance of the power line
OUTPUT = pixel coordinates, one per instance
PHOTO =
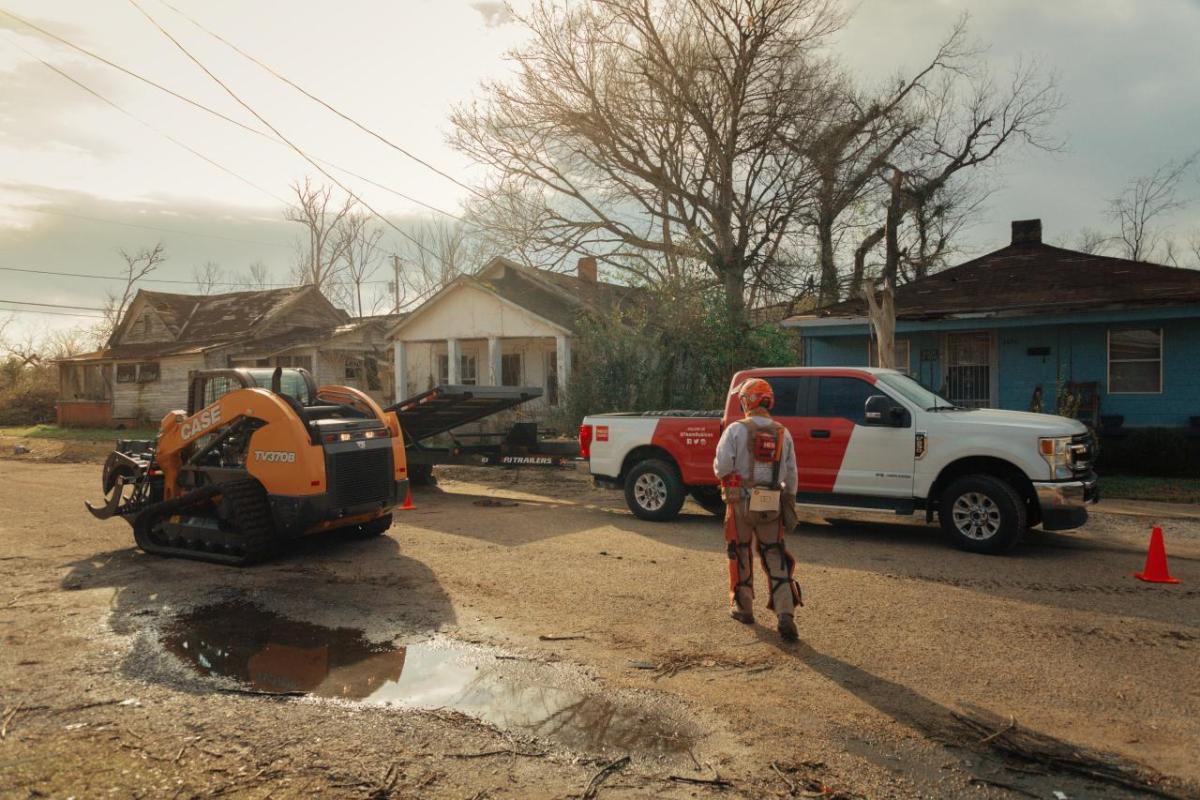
(214, 112)
(276, 131)
(141, 121)
(49, 313)
(316, 99)
(50, 305)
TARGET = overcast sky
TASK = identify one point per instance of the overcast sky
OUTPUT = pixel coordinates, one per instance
(81, 179)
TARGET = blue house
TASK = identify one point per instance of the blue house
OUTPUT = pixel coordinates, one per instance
(1012, 328)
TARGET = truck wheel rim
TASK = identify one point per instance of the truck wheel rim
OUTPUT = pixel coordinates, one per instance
(976, 516)
(650, 491)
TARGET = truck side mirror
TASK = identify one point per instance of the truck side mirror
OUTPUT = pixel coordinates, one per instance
(882, 411)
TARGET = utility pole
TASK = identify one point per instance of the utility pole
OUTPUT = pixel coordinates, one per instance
(396, 283)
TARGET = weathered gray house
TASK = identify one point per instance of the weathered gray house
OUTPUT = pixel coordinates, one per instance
(142, 373)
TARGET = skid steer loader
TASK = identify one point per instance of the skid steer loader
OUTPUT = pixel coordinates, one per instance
(261, 455)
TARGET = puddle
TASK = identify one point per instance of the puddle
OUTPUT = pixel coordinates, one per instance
(272, 653)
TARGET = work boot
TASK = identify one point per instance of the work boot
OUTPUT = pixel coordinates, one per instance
(744, 617)
(787, 628)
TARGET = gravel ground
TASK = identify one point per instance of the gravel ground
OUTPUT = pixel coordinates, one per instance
(899, 633)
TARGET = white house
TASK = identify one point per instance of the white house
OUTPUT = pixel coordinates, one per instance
(507, 325)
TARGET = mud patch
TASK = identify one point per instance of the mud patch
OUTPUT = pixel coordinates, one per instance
(268, 652)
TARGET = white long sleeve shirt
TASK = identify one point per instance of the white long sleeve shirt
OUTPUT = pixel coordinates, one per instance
(733, 455)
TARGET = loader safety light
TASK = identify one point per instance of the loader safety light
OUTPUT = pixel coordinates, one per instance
(585, 441)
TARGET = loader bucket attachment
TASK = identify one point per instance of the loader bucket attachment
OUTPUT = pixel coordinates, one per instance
(109, 509)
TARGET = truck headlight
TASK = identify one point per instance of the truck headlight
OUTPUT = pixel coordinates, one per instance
(1056, 450)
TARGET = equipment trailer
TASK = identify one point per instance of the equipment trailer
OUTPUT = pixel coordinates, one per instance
(429, 419)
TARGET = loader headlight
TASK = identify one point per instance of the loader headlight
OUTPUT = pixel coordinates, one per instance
(1056, 450)
(344, 437)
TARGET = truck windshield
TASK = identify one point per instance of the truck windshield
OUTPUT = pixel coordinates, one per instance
(911, 390)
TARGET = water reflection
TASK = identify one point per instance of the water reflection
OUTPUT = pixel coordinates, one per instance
(269, 652)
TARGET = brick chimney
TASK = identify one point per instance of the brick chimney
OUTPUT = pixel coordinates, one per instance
(1027, 231)
(586, 269)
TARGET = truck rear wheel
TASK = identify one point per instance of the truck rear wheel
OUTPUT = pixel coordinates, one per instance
(654, 491)
(982, 514)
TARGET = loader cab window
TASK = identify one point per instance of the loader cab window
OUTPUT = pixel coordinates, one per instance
(216, 388)
(291, 383)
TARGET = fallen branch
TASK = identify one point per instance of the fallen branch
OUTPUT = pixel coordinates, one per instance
(8, 717)
(791, 786)
(487, 753)
(549, 637)
(716, 783)
(603, 775)
(260, 693)
(1056, 755)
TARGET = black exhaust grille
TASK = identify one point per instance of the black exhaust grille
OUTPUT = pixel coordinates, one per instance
(360, 476)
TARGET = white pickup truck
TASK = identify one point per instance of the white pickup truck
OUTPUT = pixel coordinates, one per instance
(871, 439)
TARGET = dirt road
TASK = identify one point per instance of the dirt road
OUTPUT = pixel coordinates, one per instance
(517, 651)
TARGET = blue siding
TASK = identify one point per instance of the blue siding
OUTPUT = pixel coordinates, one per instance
(1078, 352)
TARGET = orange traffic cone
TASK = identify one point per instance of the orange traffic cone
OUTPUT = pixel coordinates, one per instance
(408, 506)
(1156, 561)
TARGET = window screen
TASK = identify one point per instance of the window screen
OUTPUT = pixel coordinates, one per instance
(1135, 361)
(843, 397)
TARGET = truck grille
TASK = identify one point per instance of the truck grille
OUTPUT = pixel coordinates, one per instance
(360, 476)
(1083, 450)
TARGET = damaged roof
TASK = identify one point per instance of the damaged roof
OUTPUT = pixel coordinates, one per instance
(1027, 278)
(199, 322)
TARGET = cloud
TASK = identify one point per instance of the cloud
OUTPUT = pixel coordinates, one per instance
(494, 13)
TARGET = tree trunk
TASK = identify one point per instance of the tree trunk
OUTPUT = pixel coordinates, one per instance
(734, 281)
(891, 264)
(829, 277)
(860, 260)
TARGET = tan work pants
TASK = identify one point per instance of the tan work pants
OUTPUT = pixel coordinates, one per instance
(765, 532)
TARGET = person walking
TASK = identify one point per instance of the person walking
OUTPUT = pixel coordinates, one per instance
(756, 466)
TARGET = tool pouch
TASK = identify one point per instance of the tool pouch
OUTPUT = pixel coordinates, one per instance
(765, 500)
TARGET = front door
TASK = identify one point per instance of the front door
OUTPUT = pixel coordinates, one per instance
(969, 369)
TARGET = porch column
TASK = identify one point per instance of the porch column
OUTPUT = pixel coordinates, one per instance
(562, 346)
(400, 369)
(495, 371)
(453, 361)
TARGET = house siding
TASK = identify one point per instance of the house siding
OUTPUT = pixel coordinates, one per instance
(152, 401)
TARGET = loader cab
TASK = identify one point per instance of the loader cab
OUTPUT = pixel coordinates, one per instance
(209, 386)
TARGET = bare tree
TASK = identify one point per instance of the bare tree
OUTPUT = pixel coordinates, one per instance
(652, 134)
(137, 266)
(1092, 241)
(208, 277)
(1140, 206)
(360, 255)
(257, 276)
(322, 246)
(967, 122)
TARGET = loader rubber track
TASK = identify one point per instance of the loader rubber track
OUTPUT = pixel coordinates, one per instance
(249, 534)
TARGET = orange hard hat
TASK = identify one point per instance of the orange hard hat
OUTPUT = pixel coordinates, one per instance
(755, 393)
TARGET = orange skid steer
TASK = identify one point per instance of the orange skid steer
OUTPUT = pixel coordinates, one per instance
(261, 456)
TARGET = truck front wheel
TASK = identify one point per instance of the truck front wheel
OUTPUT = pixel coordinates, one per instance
(982, 514)
(654, 491)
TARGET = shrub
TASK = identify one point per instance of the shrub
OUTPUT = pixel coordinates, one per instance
(676, 349)
(27, 394)
(1159, 452)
